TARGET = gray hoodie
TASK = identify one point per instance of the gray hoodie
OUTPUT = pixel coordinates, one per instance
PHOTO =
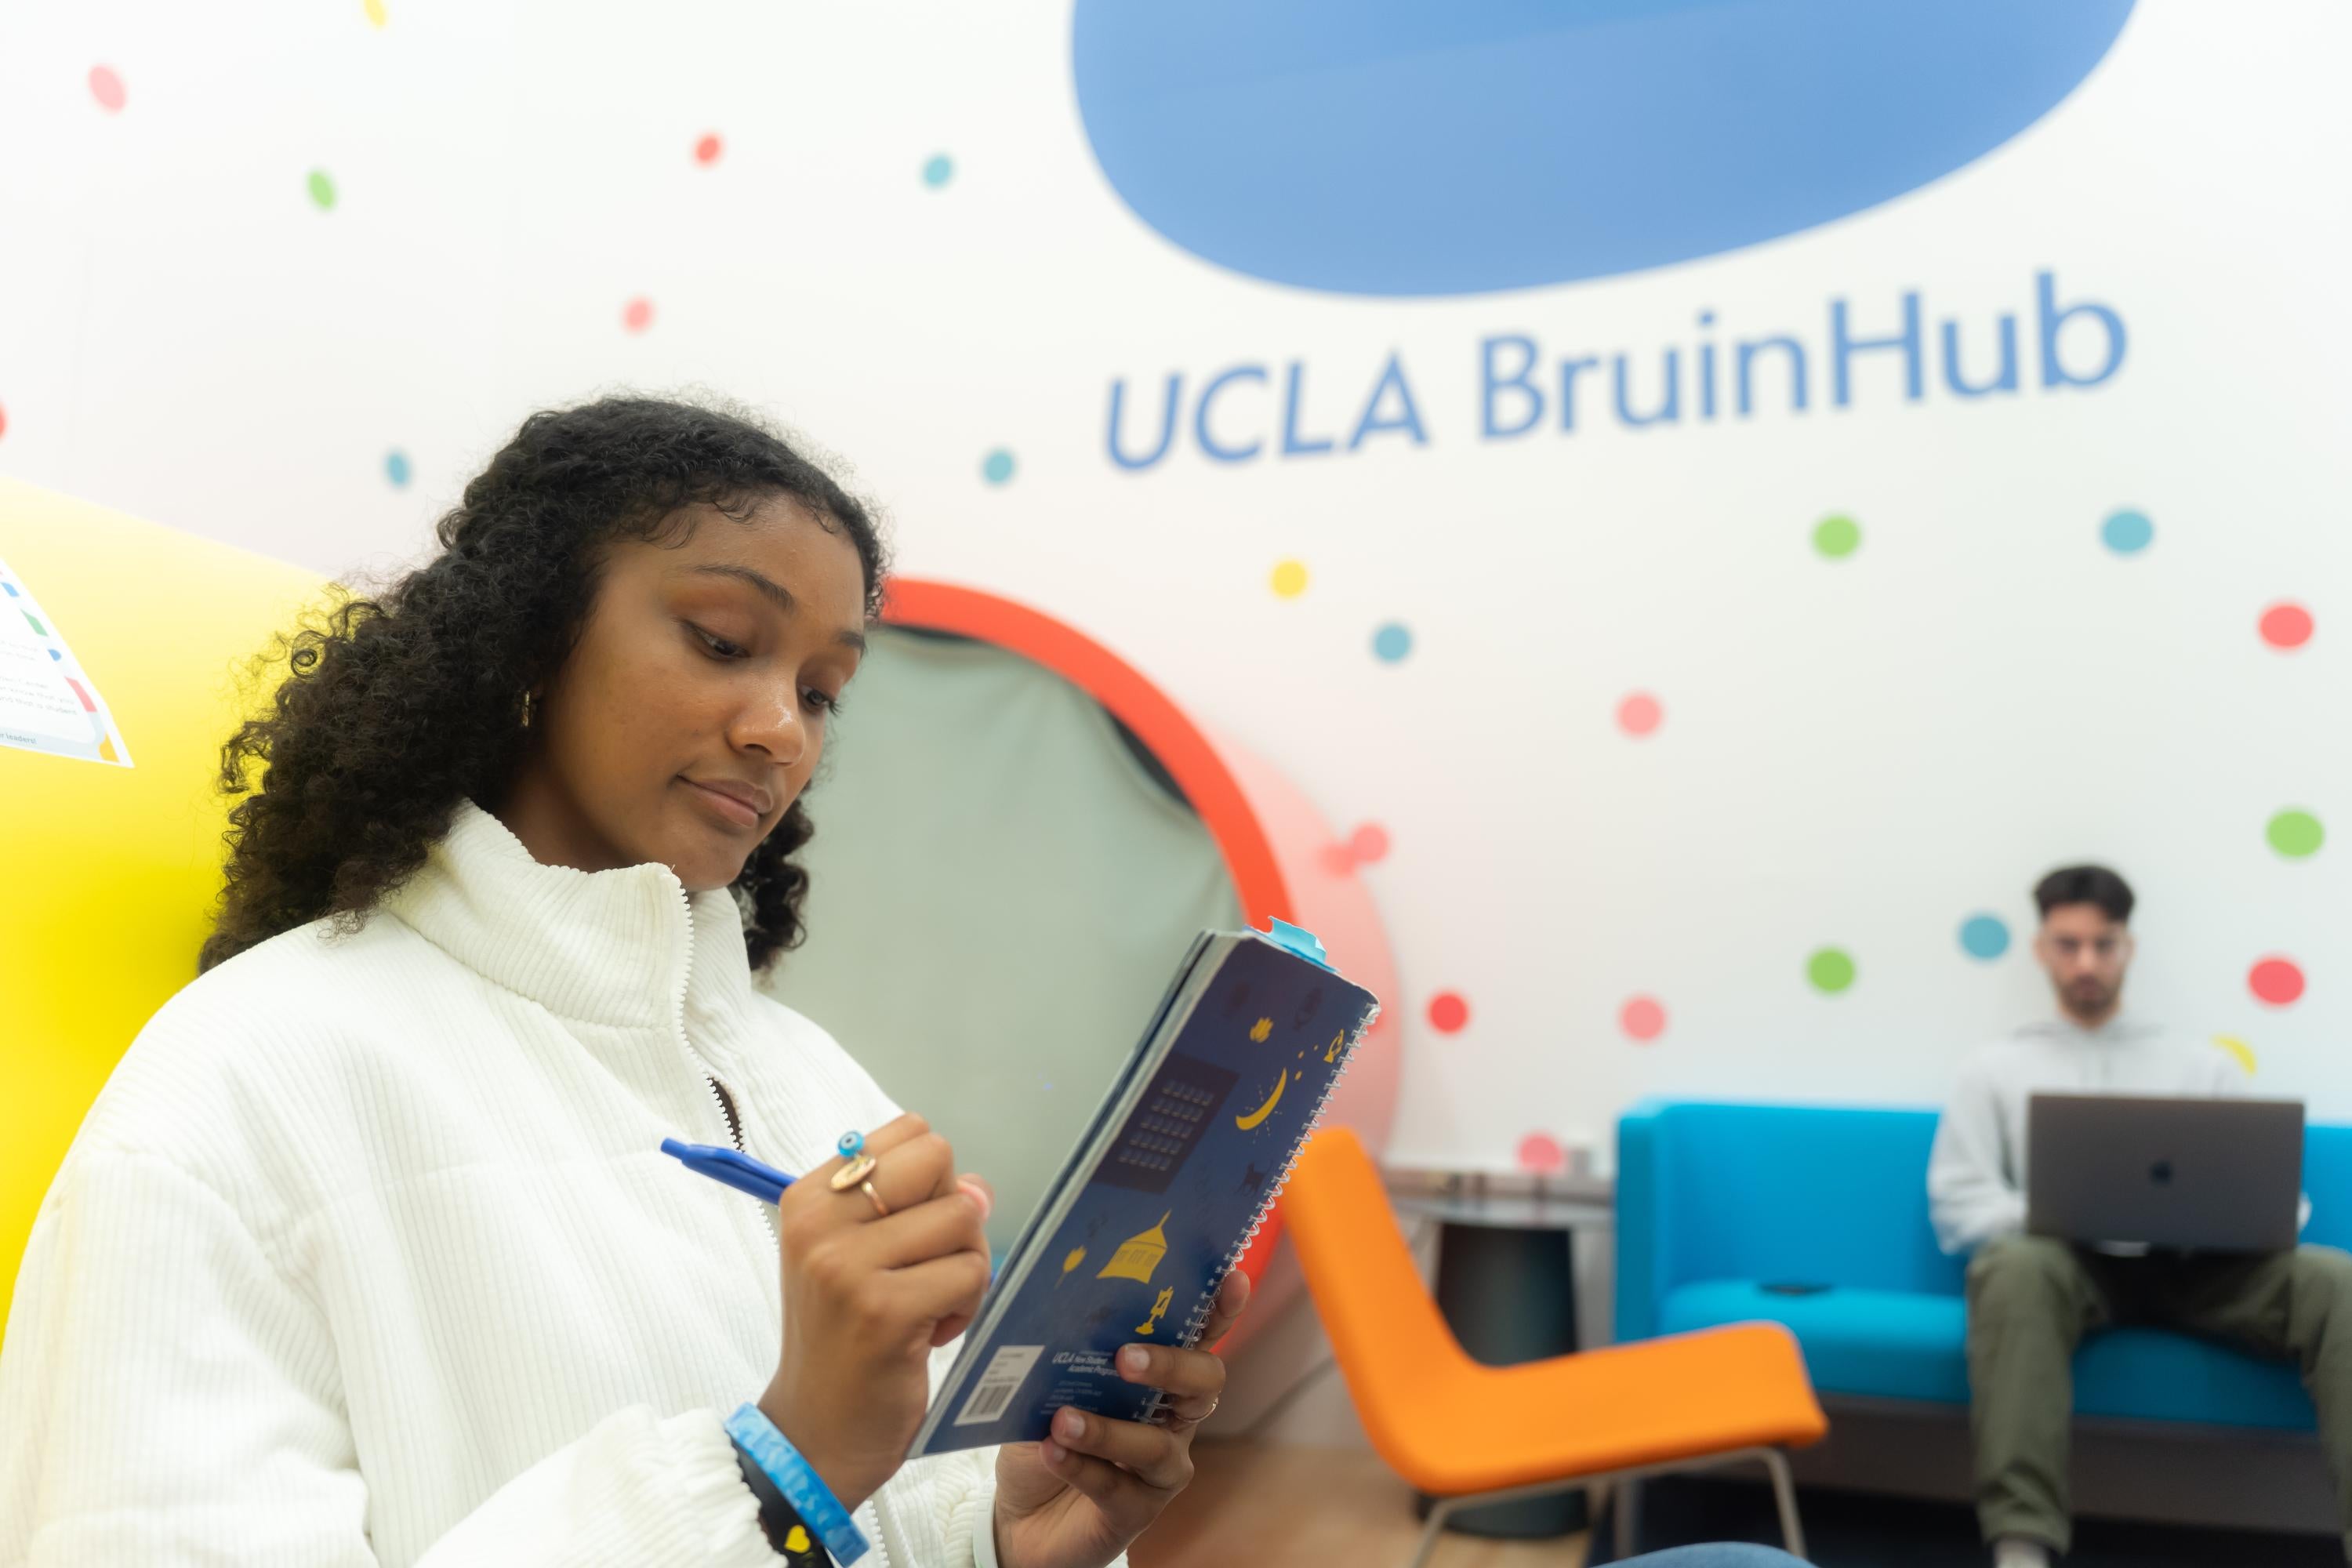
(1976, 1175)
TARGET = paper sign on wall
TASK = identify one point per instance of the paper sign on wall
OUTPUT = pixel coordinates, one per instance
(47, 702)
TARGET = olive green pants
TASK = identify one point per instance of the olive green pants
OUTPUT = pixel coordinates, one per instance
(2030, 1300)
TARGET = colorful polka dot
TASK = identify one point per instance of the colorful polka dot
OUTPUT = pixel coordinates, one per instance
(707, 151)
(637, 314)
(1540, 1153)
(1289, 579)
(1984, 936)
(1392, 643)
(1448, 1013)
(2295, 834)
(997, 467)
(322, 189)
(2286, 625)
(106, 87)
(2127, 533)
(2238, 1048)
(1642, 1018)
(396, 468)
(375, 12)
(938, 171)
(1640, 714)
(3, 419)
(1368, 843)
(1831, 970)
(1835, 538)
(2277, 981)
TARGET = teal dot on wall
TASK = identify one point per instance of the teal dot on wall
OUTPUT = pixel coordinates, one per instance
(2127, 533)
(396, 468)
(1392, 643)
(938, 171)
(1984, 936)
(997, 467)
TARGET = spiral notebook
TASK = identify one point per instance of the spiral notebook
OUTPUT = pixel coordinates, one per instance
(1163, 1193)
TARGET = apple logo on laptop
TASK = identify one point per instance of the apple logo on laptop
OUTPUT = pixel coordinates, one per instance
(2160, 1173)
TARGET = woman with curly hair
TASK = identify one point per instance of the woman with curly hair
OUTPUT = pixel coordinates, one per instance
(367, 1253)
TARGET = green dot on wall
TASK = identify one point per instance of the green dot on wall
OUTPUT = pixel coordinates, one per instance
(322, 189)
(1837, 537)
(2296, 834)
(1831, 970)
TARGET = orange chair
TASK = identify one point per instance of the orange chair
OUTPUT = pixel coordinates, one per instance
(1471, 1434)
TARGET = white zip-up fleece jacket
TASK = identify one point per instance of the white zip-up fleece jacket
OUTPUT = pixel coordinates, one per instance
(368, 1254)
(1975, 1174)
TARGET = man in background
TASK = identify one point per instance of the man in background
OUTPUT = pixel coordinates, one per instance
(2032, 1298)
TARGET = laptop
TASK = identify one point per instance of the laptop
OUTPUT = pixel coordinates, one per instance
(2215, 1176)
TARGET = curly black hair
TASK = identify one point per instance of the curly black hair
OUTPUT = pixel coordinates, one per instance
(396, 707)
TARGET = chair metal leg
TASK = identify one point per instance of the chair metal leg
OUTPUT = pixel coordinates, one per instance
(1627, 1526)
(1438, 1512)
(1784, 1493)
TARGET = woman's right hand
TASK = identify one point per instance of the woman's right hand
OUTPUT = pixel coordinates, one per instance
(867, 1298)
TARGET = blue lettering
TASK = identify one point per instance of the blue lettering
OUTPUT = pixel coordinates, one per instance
(2053, 320)
(1519, 381)
(1745, 357)
(2005, 382)
(1167, 424)
(1843, 348)
(1670, 410)
(1408, 419)
(1567, 369)
(1292, 446)
(1200, 414)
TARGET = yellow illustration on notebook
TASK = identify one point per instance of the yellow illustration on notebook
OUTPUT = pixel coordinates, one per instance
(1077, 1256)
(1248, 1123)
(1159, 1310)
(1138, 1255)
(1261, 1029)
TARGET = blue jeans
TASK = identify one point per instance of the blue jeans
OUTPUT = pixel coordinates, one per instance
(1723, 1554)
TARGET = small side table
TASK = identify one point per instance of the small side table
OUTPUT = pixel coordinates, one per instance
(1507, 1286)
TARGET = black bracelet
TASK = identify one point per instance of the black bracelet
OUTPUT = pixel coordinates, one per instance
(779, 1520)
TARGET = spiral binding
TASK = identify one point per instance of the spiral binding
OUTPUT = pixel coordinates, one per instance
(1156, 1412)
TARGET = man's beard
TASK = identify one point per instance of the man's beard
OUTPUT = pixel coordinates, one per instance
(2083, 998)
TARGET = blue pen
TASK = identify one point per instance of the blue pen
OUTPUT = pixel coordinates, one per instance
(737, 1170)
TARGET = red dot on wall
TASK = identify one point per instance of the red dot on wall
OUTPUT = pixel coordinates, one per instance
(1640, 714)
(106, 87)
(2286, 626)
(3, 419)
(1542, 1153)
(1448, 1012)
(1368, 843)
(2277, 981)
(705, 152)
(638, 314)
(1642, 1018)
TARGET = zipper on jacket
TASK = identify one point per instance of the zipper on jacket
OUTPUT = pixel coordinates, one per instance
(726, 1108)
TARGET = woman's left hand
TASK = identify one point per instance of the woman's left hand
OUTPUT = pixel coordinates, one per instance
(1076, 1499)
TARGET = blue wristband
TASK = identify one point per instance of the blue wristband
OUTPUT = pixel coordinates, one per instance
(802, 1487)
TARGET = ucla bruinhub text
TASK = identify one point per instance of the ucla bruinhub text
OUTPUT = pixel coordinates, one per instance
(1254, 412)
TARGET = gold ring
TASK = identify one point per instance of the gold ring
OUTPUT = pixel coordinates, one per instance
(848, 1176)
(880, 1207)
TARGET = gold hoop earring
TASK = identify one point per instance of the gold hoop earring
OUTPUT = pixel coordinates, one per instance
(529, 702)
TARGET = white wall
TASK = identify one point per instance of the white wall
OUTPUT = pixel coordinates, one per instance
(1861, 752)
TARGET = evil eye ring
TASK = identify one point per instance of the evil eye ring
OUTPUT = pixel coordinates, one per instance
(850, 1143)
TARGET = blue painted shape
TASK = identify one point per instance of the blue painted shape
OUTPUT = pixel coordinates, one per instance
(998, 468)
(58, 653)
(1717, 1201)
(11, 589)
(2127, 533)
(938, 170)
(396, 468)
(1984, 936)
(1392, 643)
(1393, 147)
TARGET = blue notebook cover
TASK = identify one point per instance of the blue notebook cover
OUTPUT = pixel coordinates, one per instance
(1161, 1196)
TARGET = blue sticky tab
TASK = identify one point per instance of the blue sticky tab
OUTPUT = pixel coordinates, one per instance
(1297, 940)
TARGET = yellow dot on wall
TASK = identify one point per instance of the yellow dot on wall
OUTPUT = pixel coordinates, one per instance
(1290, 579)
(374, 9)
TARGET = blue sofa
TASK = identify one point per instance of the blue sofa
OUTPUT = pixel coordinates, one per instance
(1715, 1201)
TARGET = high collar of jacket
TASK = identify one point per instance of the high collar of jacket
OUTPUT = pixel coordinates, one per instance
(627, 948)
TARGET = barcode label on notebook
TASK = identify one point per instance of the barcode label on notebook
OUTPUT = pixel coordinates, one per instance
(998, 1383)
